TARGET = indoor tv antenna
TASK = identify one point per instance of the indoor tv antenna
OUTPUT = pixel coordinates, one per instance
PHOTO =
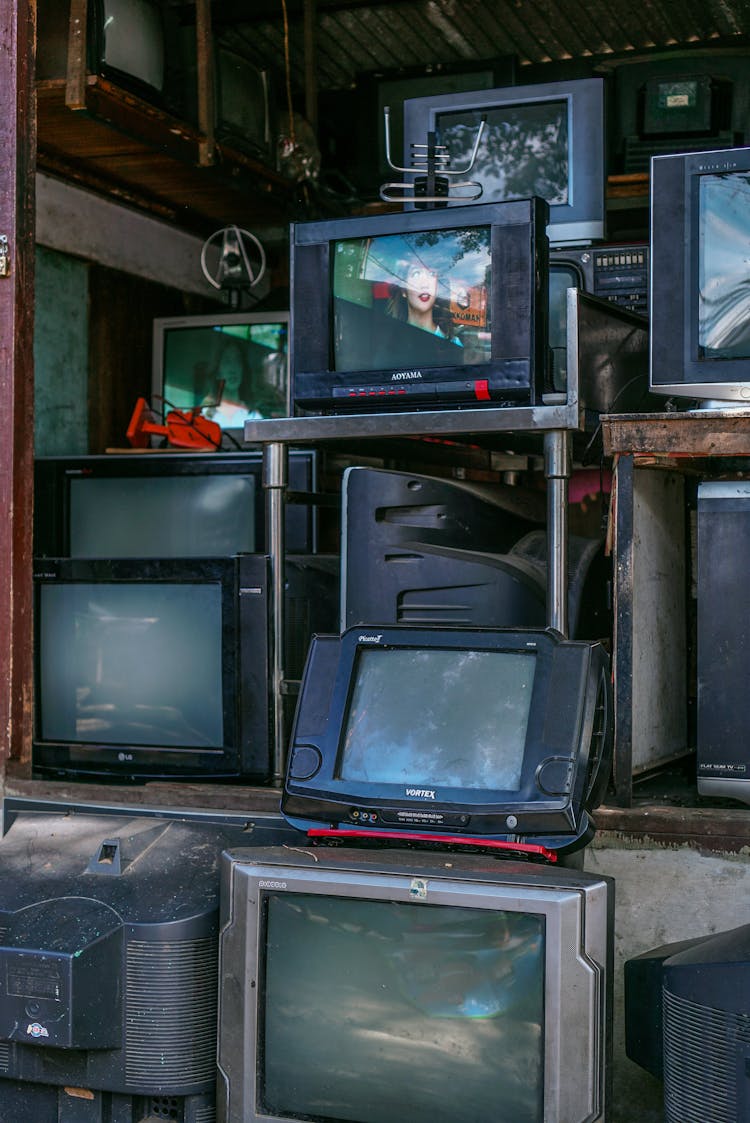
(234, 261)
(432, 185)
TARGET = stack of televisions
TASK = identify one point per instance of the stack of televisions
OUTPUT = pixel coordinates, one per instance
(414, 938)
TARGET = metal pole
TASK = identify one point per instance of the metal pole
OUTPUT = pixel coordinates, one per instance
(557, 469)
(275, 477)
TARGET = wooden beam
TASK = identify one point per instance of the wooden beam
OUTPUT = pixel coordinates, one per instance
(75, 83)
(204, 55)
(17, 158)
(311, 65)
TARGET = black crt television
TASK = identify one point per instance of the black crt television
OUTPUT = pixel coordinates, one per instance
(170, 505)
(373, 986)
(545, 139)
(686, 1015)
(420, 550)
(700, 300)
(420, 310)
(247, 351)
(466, 733)
(127, 43)
(109, 932)
(160, 668)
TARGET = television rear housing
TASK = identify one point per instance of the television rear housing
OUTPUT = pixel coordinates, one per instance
(401, 985)
(420, 310)
(545, 139)
(470, 733)
(700, 306)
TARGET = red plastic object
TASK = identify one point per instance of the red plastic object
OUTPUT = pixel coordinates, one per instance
(527, 849)
(183, 428)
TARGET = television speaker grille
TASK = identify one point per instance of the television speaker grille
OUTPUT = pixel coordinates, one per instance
(171, 1009)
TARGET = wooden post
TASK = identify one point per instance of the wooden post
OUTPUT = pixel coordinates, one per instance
(311, 84)
(205, 58)
(17, 160)
(75, 83)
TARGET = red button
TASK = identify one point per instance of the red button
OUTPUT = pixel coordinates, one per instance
(482, 390)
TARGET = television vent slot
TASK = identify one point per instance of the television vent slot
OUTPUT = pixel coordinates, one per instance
(426, 516)
(166, 1107)
(170, 1012)
(5, 1056)
(205, 1114)
(701, 1050)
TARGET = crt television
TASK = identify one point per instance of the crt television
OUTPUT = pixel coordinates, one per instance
(700, 303)
(372, 986)
(472, 733)
(127, 43)
(545, 139)
(420, 310)
(159, 668)
(109, 933)
(233, 364)
(171, 505)
(686, 1008)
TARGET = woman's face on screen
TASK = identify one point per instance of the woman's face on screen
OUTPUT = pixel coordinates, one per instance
(421, 287)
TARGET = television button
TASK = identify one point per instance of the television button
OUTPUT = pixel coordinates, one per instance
(554, 775)
(305, 762)
(482, 390)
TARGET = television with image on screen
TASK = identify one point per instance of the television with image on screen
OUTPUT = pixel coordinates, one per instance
(545, 140)
(233, 365)
(427, 310)
(491, 733)
(369, 987)
(700, 296)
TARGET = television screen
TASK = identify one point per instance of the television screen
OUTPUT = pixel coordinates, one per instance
(368, 987)
(513, 735)
(171, 505)
(545, 140)
(131, 44)
(242, 101)
(700, 230)
(234, 366)
(421, 310)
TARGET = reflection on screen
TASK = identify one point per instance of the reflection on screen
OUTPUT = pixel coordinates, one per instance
(250, 359)
(724, 266)
(162, 516)
(378, 1011)
(523, 152)
(446, 718)
(407, 300)
(131, 664)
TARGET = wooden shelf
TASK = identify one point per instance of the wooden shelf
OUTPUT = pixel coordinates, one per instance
(136, 153)
(692, 433)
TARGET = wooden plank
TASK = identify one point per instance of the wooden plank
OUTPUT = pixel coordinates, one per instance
(17, 158)
(75, 81)
(692, 433)
(622, 499)
(708, 829)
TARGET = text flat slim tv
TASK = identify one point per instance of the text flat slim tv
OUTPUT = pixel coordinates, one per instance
(545, 139)
(478, 336)
(700, 304)
(378, 986)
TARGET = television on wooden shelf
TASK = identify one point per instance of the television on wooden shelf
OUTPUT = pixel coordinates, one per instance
(545, 139)
(170, 504)
(490, 733)
(420, 310)
(373, 986)
(127, 44)
(233, 364)
(160, 668)
(700, 304)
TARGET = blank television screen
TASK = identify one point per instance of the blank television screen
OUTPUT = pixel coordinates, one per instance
(131, 663)
(250, 360)
(162, 516)
(411, 299)
(400, 1011)
(448, 718)
(243, 98)
(723, 266)
(523, 151)
(134, 40)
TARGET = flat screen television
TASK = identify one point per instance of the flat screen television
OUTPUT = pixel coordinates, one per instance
(373, 986)
(420, 310)
(246, 351)
(171, 505)
(686, 1012)
(159, 668)
(470, 733)
(545, 139)
(109, 932)
(700, 303)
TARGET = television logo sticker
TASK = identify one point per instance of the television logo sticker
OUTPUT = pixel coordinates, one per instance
(421, 793)
(370, 639)
(418, 889)
(36, 1030)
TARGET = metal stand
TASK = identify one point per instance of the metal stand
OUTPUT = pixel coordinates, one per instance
(557, 469)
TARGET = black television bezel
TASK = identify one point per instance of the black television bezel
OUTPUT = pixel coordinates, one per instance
(123, 78)
(674, 365)
(53, 475)
(576, 222)
(517, 370)
(558, 752)
(225, 128)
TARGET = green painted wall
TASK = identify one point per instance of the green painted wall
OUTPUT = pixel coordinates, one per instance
(61, 329)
